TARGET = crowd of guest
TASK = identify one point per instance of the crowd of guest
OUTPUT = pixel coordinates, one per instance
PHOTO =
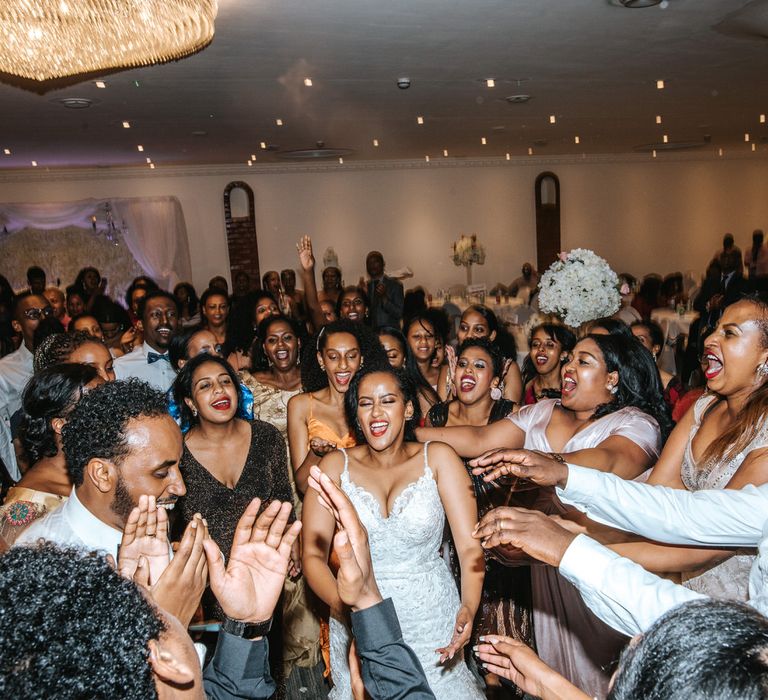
(458, 495)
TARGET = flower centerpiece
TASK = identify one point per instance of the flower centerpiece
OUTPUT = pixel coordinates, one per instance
(579, 286)
(467, 252)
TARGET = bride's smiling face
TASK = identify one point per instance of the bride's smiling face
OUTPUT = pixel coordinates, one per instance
(586, 380)
(381, 409)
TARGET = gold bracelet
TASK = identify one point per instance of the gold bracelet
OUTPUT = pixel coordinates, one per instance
(557, 457)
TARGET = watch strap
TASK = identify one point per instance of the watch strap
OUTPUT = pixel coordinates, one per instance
(247, 630)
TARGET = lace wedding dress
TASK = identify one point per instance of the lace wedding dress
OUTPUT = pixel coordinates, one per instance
(730, 578)
(405, 551)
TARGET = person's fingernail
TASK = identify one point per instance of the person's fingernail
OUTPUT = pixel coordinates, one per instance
(482, 638)
(193, 524)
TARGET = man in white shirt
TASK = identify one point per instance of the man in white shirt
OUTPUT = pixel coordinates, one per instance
(16, 368)
(159, 316)
(120, 443)
(619, 591)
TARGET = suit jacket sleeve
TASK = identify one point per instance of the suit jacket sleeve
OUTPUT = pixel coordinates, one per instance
(390, 669)
(239, 669)
(393, 300)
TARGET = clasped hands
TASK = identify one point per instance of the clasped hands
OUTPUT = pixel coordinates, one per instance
(247, 587)
(540, 536)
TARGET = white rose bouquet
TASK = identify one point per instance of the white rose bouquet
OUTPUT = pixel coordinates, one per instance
(579, 286)
(467, 251)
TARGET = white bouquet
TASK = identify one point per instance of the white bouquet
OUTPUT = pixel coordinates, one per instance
(467, 251)
(579, 286)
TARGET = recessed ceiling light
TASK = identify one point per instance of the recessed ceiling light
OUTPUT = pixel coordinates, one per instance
(509, 157)
(490, 82)
(719, 151)
(762, 119)
(445, 152)
(658, 119)
(754, 146)
(483, 141)
(376, 142)
(262, 145)
(308, 82)
(659, 84)
(279, 122)
(426, 158)
(151, 166)
(126, 125)
(149, 160)
(341, 161)
(746, 138)
(34, 163)
(530, 151)
(100, 84)
(552, 118)
(7, 151)
(140, 148)
(419, 120)
(250, 163)
(665, 138)
(576, 139)
(253, 156)
(653, 153)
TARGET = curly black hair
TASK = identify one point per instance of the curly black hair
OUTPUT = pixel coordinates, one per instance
(259, 360)
(72, 627)
(557, 331)
(407, 389)
(372, 351)
(490, 348)
(57, 348)
(51, 393)
(639, 381)
(97, 424)
(182, 385)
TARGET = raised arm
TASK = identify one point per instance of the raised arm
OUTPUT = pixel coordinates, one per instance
(470, 441)
(307, 261)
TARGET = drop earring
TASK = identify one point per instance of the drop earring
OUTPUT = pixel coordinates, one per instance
(495, 393)
(762, 370)
(613, 389)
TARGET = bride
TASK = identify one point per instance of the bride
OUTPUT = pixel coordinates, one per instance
(403, 490)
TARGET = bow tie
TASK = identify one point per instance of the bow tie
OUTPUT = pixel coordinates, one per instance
(153, 357)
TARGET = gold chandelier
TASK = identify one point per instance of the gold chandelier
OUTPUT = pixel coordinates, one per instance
(45, 39)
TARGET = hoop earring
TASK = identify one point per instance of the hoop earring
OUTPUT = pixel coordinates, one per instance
(194, 412)
(495, 393)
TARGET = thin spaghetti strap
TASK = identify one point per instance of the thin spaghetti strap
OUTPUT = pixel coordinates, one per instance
(426, 461)
(311, 400)
(346, 461)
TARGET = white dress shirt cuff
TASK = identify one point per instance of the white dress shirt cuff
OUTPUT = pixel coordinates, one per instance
(620, 592)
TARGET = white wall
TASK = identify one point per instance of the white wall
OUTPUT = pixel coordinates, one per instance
(641, 215)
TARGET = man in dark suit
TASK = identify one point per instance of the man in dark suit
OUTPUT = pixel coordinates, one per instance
(385, 293)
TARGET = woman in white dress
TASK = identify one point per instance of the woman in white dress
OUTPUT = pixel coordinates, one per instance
(611, 417)
(403, 491)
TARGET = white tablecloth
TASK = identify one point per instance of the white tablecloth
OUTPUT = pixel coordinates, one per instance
(674, 325)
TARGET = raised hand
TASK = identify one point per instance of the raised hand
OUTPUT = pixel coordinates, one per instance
(461, 634)
(538, 467)
(321, 447)
(145, 535)
(355, 581)
(180, 587)
(306, 258)
(536, 534)
(513, 660)
(249, 586)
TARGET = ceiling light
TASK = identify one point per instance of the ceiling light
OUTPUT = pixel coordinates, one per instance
(552, 119)
(7, 151)
(653, 153)
(100, 84)
(426, 158)
(576, 140)
(754, 146)
(658, 119)
(149, 160)
(279, 122)
(445, 152)
(517, 99)
(419, 120)
(509, 157)
(483, 141)
(746, 138)
(140, 148)
(341, 161)
(719, 151)
(126, 125)
(530, 151)
(490, 82)
(253, 156)
(376, 142)
(637, 4)
(308, 82)
(34, 163)
(250, 163)
(762, 119)
(262, 145)
(665, 138)
(151, 166)
(49, 39)
(659, 84)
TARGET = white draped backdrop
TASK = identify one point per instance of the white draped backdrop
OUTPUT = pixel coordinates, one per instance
(153, 229)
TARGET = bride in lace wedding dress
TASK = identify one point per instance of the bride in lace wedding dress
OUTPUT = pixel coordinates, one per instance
(403, 492)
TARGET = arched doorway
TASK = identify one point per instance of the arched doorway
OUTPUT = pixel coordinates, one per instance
(547, 195)
(240, 221)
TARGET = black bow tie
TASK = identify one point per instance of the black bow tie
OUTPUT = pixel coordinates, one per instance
(153, 357)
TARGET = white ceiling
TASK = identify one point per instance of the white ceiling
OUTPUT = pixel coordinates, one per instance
(591, 63)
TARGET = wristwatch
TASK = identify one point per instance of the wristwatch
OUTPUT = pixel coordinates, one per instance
(247, 630)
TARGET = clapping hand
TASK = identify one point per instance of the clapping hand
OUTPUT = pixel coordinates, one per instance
(355, 581)
(535, 466)
(461, 634)
(306, 258)
(249, 586)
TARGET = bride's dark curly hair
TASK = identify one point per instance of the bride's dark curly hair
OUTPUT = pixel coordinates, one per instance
(639, 381)
(51, 393)
(407, 388)
(371, 350)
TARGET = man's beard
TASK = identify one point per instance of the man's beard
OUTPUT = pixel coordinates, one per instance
(122, 502)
